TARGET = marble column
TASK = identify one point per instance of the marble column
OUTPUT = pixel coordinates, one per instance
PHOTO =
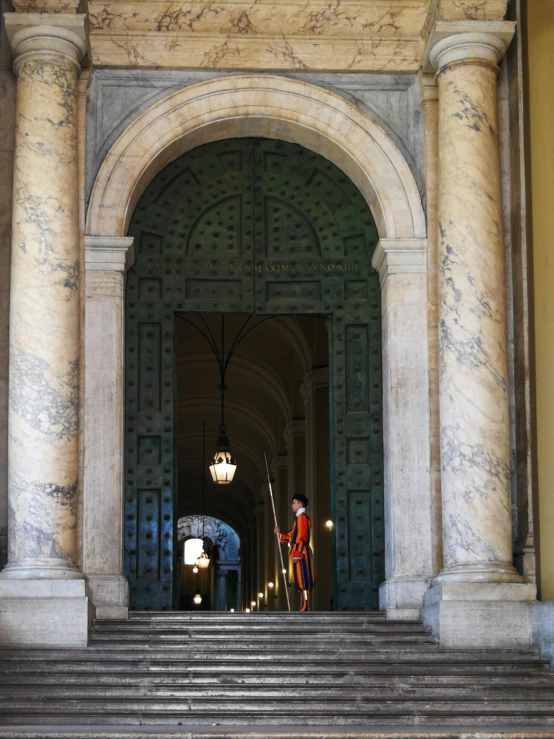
(401, 264)
(44, 339)
(106, 262)
(478, 598)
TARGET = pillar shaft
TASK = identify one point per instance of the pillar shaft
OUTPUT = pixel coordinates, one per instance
(475, 448)
(44, 307)
(106, 261)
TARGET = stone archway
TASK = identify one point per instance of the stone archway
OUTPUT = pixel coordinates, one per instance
(294, 111)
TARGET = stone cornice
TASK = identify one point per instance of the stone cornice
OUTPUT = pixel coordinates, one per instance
(273, 36)
(454, 41)
(37, 34)
(108, 253)
(399, 257)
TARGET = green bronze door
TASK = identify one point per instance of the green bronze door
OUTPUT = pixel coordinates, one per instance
(266, 227)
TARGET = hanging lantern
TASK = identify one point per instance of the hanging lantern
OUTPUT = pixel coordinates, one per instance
(224, 465)
(203, 561)
(193, 549)
(197, 599)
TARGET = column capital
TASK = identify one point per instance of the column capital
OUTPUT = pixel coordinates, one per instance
(429, 88)
(109, 253)
(399, 256)
(461, 41)
(296, 427)
(39, 35)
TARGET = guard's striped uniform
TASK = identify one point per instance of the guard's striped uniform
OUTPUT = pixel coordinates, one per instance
(301, 554)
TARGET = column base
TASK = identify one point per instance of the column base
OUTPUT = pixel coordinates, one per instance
(480, 615)
(110, 595)
(45, 613)
(402, 598)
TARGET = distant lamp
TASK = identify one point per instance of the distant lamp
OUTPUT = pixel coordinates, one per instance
(284, 572)
(247, 610)
(329, 525)
(224, 466)
(270, 585)
(232, 610)
(193, 549)
(253, 604)
(203, 561)
(197, 599)
(195, 569)
(260, 595)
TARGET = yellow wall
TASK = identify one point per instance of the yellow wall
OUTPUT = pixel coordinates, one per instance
(541, 110)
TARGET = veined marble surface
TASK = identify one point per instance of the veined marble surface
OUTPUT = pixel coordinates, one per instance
(475, 447)
(273, 36)
(117, 97)
(44, 319)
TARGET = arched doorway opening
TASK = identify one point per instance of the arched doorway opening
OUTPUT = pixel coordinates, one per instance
(220, 585)
(260, 226)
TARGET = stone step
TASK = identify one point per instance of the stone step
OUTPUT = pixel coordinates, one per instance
(214, 615)
(248, 727)
(260, 641)
(291, 659)
(309, 693)
(239, 710)
(236, 670)
(384, 627)
(272, 680)
(412, 653)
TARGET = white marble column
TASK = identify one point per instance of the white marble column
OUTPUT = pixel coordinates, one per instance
(106, 262)
(401, 265)
(474, 601)
(44, 339)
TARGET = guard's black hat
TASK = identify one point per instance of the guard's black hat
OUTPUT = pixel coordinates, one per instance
(301, 499)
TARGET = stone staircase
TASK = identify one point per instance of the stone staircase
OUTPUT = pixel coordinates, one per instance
(279, 669)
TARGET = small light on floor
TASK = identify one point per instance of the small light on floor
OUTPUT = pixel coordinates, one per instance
(247, 610)
(232, 610)
(197, 599)
(329, 524)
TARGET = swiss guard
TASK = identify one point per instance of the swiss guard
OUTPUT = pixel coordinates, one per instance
(298, 539)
